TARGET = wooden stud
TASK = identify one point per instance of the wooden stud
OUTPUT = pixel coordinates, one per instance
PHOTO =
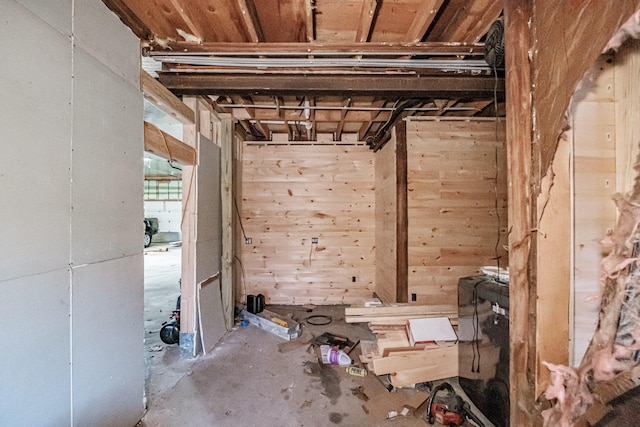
(519, 113)
(402, 216)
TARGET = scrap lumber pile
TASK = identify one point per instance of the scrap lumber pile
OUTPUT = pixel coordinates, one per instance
(391, 353)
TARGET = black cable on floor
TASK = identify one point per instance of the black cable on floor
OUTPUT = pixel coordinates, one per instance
(321, 320)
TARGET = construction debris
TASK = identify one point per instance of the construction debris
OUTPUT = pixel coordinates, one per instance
(391, 353)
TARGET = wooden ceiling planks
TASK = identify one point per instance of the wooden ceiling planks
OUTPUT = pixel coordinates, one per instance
(392, 17)
(283, 21)
(338, 20)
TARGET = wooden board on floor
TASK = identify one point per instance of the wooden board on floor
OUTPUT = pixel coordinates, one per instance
(440, 357)
(446, 368)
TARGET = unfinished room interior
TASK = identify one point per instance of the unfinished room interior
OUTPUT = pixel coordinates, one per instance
(393, 212)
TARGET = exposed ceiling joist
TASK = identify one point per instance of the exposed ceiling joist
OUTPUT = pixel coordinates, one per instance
(343, 115)
(412, 86)
(251, 21)
(309, 9)
(367, 14)
(423, 20)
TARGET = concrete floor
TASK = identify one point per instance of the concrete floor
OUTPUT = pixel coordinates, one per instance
(253, 377)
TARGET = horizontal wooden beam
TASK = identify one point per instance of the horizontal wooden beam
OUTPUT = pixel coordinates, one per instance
(166, 146)
(409, 85)
(357, 48)
(162, 98)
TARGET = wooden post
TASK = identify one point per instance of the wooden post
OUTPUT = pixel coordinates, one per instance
(519, 138)
(189, 222)
(402, 216)
(226, 194)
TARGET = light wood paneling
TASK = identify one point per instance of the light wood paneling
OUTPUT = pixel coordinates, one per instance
(594, 146)
(291, 194)
(453, 224)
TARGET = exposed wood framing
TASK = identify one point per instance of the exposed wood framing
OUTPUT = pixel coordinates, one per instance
(343, 114)
(264, 129)
(251, 21)
(191, 28)
(519, 113)
(424, 17)
(310, 20)
(367, 14)
(162, 98)
(318, 48)
(166, 146)
(373, 116)
(189, 212)
(228, 223)
(319, 85)
(402, 218)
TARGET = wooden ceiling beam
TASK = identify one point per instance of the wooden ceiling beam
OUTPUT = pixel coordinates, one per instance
(162, 98)
(367, 15)
(343, 115)
(425, 16)
(166, 146)
(251, 21)
(310, 21)
(264, 129)
(192, 28)
(366, 125)
(409, 85)
(422, 48)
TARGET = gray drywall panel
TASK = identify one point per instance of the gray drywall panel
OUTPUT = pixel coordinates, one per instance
(108, 350)
(100, 31)
(35, 125)
(34, 370)
(55, 13)
(107, 167)
(209, 224)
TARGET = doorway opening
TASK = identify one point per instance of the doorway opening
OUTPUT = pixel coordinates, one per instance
(162, 259)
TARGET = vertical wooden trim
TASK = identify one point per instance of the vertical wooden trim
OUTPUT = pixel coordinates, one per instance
(402, 272)
(226, 196)
(519, 143)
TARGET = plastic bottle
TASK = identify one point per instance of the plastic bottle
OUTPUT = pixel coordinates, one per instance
(334, 356)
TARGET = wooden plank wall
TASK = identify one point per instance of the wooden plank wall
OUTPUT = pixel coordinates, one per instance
(453, 222)
(292, 193)
(594, 135)
(386, 220)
